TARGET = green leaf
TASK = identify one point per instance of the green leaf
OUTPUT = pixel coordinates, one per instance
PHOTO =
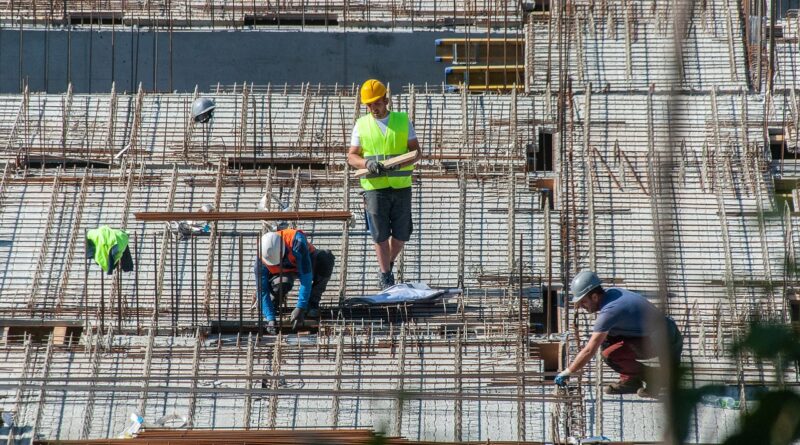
(770, 341)
(776, 421)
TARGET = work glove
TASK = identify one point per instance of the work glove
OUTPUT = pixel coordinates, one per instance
(298, 317)
(375, 167)
(562, 377)
(270, 328)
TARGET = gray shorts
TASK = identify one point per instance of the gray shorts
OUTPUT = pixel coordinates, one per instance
(389, 214)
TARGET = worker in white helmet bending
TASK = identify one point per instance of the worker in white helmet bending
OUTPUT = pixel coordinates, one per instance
(286, 255)
(628, 329)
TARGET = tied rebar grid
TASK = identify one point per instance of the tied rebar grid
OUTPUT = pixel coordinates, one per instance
(712, 171)
(280, 380)
(245, 14)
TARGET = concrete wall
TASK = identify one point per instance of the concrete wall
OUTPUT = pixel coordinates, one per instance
(91, 59)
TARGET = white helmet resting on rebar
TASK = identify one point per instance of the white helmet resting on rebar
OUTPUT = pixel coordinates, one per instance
(206, 208)
(583, 284)
(271, 248)
(202, 109)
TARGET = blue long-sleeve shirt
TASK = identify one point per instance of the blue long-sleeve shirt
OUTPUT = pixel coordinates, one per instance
(302, 263)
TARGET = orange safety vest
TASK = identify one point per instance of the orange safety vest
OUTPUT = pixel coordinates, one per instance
(288, 262)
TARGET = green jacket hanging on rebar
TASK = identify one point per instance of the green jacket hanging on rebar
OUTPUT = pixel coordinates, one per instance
(103, 243)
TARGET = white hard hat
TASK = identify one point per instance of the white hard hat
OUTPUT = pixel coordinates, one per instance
(202, 109)
(206, 208)
(271, 248)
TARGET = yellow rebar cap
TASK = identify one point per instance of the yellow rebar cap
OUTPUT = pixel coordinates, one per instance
(371, 91)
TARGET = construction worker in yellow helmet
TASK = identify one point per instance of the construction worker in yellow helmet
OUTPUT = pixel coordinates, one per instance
(377, 136)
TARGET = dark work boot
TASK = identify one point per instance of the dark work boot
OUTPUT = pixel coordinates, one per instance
(652, 383)
(649, 392)
(313, 312)
(387, 280)
(313, 306)
(629, 387)
(316, 296)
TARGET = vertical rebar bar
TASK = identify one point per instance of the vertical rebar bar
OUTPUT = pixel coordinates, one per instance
(93, 346)
(401, 366)
(196, 359)
(548, 258)
(118, 287)
(136, 282)
(248, 400)
(345, 244)
(20, 392)
(259, 290)
(337, 385)
(520, 282)
(458, 403)
(241, 283)
(85, 306)
(179, 270)
(219, 282)
(462, 220)
(102, 301)
(194, 281)
(174, 276)
(156, 291)
(281, 296)
(42, 395)
(276, 371)
(520, 350)
(589, 176)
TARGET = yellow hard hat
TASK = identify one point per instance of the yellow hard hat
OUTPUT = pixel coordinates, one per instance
(371, 91)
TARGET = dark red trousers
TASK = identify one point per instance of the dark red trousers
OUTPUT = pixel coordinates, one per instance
(621, 354)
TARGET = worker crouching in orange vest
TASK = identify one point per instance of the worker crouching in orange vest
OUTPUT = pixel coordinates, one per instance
(285, 256)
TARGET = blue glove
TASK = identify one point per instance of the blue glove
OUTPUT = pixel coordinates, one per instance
(562, 377)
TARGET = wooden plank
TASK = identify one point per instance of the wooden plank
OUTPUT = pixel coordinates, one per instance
(14, 330)
(551, 354)
(59, 335)
(38, 323)
(403, 160)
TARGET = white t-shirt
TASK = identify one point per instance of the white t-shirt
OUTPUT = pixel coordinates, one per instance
(355, 139)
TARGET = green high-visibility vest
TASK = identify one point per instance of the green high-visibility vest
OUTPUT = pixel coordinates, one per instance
(104, 238)
(379, 146)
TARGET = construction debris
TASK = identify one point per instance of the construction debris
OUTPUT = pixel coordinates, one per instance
(403, 293)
